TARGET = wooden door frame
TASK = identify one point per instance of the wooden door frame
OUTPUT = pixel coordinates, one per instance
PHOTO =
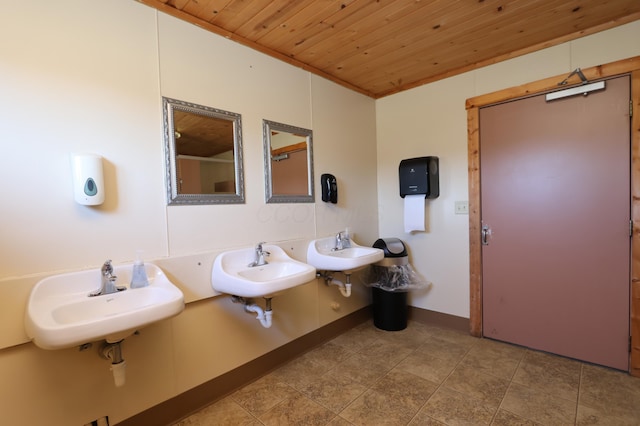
(629, 66)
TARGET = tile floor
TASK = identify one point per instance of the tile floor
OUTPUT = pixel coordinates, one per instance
(427, 375)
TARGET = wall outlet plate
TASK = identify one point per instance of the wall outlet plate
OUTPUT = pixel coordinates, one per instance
(462, 207)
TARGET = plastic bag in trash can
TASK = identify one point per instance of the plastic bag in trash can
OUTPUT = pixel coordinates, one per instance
(395, 278)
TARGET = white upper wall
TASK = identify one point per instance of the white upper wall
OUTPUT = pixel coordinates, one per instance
(431, 120)
(89, 76)
(345, 149)
(71, 83)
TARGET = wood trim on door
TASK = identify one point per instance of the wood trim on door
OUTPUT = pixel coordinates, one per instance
(627, 66)
(634, 368)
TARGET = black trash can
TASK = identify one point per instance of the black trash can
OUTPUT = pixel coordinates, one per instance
(390, 309)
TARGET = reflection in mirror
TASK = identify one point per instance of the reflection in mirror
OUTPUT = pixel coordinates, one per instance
(288, 163)
(204, 154)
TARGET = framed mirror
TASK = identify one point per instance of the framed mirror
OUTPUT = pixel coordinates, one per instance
(288, 163)
(203, 149)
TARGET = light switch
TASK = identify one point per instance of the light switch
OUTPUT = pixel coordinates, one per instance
(462, 207)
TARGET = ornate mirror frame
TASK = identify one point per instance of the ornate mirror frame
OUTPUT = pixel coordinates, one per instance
(174, 197)
(268, 127)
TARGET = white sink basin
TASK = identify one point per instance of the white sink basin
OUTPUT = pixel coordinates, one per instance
(232, 274)
(321, 253)
(61, 314)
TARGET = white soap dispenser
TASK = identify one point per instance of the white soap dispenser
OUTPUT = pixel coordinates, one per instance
(139, 277)
(88, 179)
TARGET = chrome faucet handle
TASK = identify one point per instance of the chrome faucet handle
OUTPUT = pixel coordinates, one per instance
(260, 255)
(259, 249)
(108, 284)
(342, 241)
(107, 268)
(107, 274)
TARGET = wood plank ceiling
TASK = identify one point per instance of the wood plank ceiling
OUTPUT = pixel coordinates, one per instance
(381, 47)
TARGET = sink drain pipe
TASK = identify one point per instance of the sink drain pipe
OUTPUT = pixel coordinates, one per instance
(345, 288)
(262, 315)
(113, 352)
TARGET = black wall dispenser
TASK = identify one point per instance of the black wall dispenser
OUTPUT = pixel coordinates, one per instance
(329, 188)
(420, 176)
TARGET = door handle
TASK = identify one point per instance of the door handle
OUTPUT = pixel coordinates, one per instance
(485, 233)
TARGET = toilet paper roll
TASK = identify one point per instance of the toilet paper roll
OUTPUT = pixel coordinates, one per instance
(414, 213)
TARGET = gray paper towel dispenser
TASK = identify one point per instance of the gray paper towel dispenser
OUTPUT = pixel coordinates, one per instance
(420, 176)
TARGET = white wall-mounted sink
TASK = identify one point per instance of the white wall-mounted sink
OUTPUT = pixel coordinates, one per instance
(322, 254)
(61, 314)
(232, 274)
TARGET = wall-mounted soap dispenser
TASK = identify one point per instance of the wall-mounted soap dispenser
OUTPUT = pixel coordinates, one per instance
(329, 188)
(420, 176)
(88, 179)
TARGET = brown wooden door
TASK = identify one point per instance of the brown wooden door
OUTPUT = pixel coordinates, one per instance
(555, 184)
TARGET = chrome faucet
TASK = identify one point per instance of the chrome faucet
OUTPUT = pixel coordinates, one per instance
(260, 256)
(342, 241)
(108, 281)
